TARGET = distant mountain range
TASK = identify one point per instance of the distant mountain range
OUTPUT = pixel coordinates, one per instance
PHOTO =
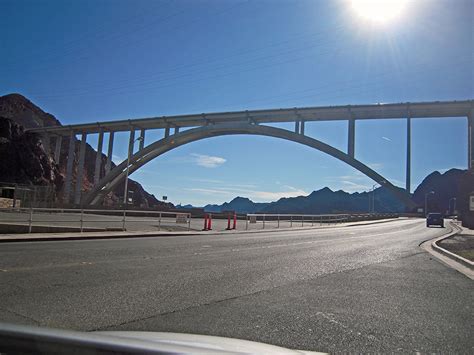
(325, 200)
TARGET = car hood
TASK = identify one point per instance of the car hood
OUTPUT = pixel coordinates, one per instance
(195, 343)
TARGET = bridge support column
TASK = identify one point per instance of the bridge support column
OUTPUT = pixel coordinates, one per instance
(69, 166)
(110, 149)
(167, 131)
(302, 127)
(176, 130)
(80, 170)
(470, 139)
(351, 138)
(57, 148)
(131, 142)
(142, 139)
(297, 127)
(408, 160)
(46, 143)
(98, 158)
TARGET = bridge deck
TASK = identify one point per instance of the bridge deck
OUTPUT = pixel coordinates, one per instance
(327, 113)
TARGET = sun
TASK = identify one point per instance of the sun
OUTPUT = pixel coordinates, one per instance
(380, 11)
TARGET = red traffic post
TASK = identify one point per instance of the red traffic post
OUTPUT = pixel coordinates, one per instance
(205, 223)
(235, 221)
(209, 222)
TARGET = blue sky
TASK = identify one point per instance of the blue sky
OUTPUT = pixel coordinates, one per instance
(101, 60)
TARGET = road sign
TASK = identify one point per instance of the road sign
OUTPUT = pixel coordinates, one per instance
(165, 198)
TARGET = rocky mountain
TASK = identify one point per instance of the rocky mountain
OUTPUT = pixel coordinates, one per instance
(239, 205)
(23, 158)
(454, 183)
(18, 113)
(321, 201)
(444, 186)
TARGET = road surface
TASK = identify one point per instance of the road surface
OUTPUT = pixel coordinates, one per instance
(360, 289)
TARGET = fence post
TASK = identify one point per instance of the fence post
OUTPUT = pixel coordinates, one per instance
(302, 220)
(159, 221)
(247, 222)
(82, 219)
(189, 221)
(30, 220)
(291, 221)
(264, 221)
(278, 226)
(123, 220)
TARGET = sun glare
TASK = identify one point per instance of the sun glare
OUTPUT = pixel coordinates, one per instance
(380, 11)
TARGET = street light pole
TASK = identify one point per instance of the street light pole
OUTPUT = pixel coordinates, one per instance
(426, 201)
(125, 191)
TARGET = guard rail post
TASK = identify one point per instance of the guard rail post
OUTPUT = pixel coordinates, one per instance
(291, 221)
(302, 220)
(82, 219)
(247, 222)
(159, 221)
(189, 221)
(278, 225)
(263, 221)
(123, 220)
(30, 220)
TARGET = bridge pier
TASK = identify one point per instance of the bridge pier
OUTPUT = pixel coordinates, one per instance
(302, 128)
(297, 127)
(470, 139)
(351, 138)
(167, 131)
(46, 143)
(408, 160)
(131, 142)
(142, 139)
(80, 170)
(69, 166)
(98, 157)
(110, 149)
(57, 148)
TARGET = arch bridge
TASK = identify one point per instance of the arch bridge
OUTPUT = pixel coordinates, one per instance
(183, 129)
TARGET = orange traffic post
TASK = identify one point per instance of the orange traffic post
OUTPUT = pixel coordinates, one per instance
(235, 221)
(209, 222)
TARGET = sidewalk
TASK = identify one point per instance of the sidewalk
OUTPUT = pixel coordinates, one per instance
(461, 244)
(137, 234)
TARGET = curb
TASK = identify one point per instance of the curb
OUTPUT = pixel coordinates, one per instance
(170, 234)
(93, 237)
(467, 263)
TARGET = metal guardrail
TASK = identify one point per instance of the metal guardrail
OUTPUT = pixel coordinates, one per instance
(321, 219)
(132, 215)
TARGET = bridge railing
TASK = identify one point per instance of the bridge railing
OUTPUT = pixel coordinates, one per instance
(302, 220)
(50, 220)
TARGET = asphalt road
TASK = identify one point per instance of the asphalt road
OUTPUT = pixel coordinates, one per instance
(350, 289)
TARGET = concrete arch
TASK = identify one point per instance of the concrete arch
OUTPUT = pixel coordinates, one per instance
(117, 175)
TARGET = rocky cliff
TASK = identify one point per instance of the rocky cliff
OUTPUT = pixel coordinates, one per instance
(37, 166)
(24, 159)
